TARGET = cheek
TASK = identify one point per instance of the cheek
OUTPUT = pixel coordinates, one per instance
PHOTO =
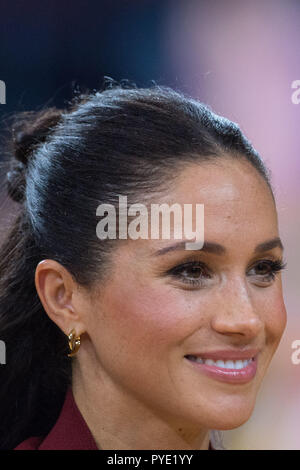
(146, 321)
(274, 315)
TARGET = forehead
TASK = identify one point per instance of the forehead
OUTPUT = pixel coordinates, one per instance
(230, 189)
(239, 211)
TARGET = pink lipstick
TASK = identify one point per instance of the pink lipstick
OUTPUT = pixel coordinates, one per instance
(231, 366)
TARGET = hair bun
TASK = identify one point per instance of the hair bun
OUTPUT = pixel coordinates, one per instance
(15, 181)
(30, 129)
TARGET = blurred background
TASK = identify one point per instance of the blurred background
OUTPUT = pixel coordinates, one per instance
(237, 56)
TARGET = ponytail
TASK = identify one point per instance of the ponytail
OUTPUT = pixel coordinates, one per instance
(36, 374)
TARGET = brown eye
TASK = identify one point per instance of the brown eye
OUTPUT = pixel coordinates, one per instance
(263, 268)
(266, 270)
(193, 273)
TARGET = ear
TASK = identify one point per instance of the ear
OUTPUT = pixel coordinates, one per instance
(57, 291)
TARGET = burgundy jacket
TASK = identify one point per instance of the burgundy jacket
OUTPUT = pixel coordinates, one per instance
(70, 432)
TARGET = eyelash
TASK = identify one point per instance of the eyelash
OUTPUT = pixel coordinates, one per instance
(275, 267)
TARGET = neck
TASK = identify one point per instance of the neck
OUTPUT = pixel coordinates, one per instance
(118, 420)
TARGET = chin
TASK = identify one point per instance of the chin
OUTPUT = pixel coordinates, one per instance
(232, 423)
(230, 418)
(221, 411)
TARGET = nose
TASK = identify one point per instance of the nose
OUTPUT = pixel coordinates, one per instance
(235, 313)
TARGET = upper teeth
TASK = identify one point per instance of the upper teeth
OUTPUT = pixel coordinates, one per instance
(230, 364)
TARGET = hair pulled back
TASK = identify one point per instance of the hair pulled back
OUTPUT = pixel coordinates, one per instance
(119, 141)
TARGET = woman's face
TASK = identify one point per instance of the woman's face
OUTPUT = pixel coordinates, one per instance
(153, 318)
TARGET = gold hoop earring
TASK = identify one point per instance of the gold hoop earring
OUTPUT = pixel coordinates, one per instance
(74, 343)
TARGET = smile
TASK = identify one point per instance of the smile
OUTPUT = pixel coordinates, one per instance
(231, 367)
(223, 363)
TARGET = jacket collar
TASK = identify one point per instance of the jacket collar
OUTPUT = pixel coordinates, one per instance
(70, 431)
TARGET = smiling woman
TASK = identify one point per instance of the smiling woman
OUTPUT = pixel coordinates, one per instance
(166, 344)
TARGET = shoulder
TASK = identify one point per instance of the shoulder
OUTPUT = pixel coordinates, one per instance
(70, 432)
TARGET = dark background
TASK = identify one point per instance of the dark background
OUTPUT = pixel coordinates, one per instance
(47, 48)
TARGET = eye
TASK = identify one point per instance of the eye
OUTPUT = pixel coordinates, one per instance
(266, 270)
(194, 273)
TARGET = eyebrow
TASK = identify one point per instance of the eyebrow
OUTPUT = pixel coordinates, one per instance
(216, 248)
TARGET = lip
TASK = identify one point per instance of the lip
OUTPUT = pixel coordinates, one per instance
(232, 376)
(226, 354)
